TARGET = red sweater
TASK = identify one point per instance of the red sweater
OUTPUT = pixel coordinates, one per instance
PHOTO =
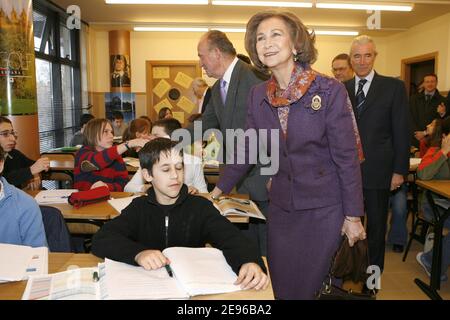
(112, 169)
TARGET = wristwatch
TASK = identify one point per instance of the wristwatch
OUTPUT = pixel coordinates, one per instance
(214, 198)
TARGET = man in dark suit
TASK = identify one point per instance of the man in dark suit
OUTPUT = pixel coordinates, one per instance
(380, 105)
(227, 109)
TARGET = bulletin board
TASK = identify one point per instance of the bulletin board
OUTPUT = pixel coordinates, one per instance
(169, 84)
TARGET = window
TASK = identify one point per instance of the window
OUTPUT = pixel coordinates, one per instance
(58, 84)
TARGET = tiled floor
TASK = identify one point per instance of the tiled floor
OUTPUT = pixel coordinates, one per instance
(397, 281)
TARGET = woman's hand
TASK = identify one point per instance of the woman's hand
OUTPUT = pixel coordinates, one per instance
(445, 145)
(353, 229)
(215, 194)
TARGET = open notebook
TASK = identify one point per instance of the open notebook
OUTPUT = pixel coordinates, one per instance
(229, 206)
(196, 271)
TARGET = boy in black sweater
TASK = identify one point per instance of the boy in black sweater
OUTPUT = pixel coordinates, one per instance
(170, 217)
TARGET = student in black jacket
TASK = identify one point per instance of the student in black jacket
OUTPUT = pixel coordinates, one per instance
(19, 171)
(170, 217)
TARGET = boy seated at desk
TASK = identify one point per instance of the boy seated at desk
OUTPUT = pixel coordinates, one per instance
(170, 217)
(19, 170)
(193, 169)
(20, 216)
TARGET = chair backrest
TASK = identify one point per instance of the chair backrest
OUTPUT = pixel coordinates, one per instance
(58, 236)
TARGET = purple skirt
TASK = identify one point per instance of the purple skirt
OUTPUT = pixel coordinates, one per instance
(300, 247)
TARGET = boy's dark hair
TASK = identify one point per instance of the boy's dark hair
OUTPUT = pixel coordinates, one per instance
(85, 118)
(152, 150)
(117, 115)
(4, 120)
(169, 125)
(342, 56)
(162, 112)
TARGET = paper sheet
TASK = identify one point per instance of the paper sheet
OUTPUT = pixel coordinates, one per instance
(161, 72)
(17, 262)
(134, 162)
(121, 203)
(179, 115)
(183, 80)
(161, 88)
(186, 104)
(54, 196)
(162, 104)
(123, 281)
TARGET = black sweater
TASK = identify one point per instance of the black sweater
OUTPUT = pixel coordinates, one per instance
(17, 168)
(193, 222)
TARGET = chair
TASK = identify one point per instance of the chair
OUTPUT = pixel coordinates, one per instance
(61, 168)
(58, 236)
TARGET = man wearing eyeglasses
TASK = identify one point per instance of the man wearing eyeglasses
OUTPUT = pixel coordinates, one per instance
(342, 68)
(19, 170)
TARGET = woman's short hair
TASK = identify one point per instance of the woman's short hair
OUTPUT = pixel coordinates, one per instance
(94, 130)
(135, 126)
(303, 41)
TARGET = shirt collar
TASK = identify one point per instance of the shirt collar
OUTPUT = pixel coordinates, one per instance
(228, 73)
(429, 93)
(369, 77)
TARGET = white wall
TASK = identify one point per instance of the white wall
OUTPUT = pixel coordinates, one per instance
(183, 46)
(431, 36)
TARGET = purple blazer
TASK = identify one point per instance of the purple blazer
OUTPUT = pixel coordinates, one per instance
(318, 161)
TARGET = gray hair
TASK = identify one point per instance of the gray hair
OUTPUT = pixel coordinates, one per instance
(361, 40)
(199, 83)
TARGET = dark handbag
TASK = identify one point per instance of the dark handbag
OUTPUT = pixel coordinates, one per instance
(84, 198)
(348, 263)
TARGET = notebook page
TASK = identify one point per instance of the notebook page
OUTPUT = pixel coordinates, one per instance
(124, 281)
(14, 261)
(54, 196)
(121, 203)
(202, 270)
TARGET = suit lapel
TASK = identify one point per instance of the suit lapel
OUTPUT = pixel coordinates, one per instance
(230, 103)
(217, 101)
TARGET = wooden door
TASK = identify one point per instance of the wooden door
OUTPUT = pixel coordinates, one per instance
(169, 84)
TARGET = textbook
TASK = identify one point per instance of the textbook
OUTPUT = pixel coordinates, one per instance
(19, 262)
(195, 271)
(229, 206)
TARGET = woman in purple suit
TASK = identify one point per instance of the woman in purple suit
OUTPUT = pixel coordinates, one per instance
(316, 194)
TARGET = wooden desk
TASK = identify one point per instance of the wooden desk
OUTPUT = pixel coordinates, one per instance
(58, 262)
(98, 211)
(442, 188)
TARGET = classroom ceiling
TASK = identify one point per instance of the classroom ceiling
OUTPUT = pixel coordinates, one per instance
(102, 16)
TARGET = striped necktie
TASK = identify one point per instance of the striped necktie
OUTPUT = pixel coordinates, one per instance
(360, 96)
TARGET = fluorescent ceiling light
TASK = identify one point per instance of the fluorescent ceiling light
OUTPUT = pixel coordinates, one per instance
(363, 6)
(227, 29)
(292, 4)
(172, 29)
(336, 33)
(198, 2)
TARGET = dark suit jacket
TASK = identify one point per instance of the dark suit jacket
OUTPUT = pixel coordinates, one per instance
(384, 129)
(206, 99)
(233, 116)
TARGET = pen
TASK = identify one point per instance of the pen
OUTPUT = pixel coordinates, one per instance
(169, 270)
(95, 276)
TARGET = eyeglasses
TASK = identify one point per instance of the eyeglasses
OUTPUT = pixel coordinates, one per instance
(7, 133)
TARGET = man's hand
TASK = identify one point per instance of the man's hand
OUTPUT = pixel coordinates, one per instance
(396, 181)
(151, 259)
(251, 276)
(192, 190)
(215, 194)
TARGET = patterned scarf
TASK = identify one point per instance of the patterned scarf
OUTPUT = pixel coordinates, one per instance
(301, 79)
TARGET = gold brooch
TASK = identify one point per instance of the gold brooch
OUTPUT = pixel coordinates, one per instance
(316, 103)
